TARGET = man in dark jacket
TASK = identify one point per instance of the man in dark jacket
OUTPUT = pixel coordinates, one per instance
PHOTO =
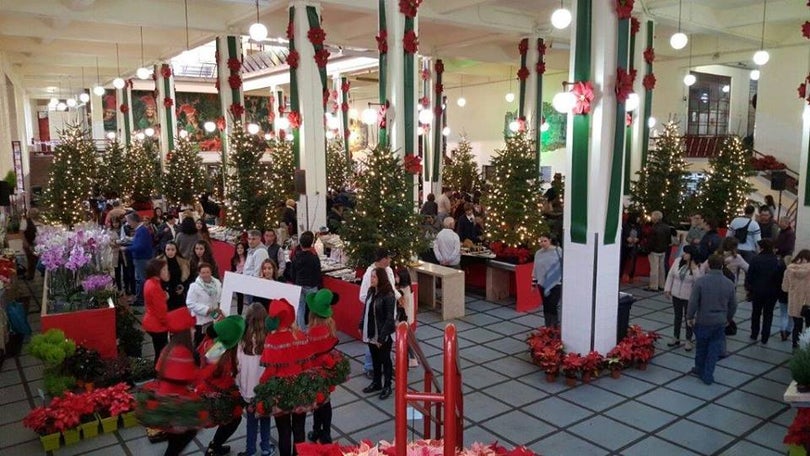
(710, 241)
(305, 270)
(466, 226)
(764, 281)
(658, 244)
(712, 305)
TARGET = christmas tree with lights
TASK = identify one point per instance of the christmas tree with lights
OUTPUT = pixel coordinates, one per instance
(383, 215)
(280, 173)
(143, 169)
(71, 178)
(339, 167)
(726, 189)
(514, 200)
(184, 178)
(113, 180)
(246, 200)
(461, 171)
(661, 185)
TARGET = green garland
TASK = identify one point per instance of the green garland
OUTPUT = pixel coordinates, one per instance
(171, 413)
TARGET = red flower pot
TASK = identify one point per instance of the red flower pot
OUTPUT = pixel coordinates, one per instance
(615, 373)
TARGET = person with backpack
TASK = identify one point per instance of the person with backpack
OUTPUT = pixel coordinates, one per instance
(747, 233)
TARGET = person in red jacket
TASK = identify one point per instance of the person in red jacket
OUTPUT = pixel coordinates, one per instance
(154, 321)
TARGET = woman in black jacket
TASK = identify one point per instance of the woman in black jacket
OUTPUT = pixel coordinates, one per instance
(763, 281)
(378, 327)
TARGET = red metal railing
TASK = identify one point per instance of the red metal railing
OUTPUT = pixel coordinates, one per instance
(444, 410)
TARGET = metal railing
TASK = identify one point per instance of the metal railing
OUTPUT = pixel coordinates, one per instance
(445, 411)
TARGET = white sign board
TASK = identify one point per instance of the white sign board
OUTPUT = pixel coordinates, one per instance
(254, 286)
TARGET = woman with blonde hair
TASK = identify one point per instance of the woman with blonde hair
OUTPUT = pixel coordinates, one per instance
(796, 283)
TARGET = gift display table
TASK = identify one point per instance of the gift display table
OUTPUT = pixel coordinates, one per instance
(504, 279)
(452, 288)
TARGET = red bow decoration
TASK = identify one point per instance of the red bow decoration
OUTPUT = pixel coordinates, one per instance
(295, 119)
(649, 55)
(628, 119)
(412, 164)
(410, 42)
(322, 57)
(220, 123)
(439, 67)
(439, 88)
(409, 7)
(382, 42)
(166, 71)
(802, 90)
(168, 102)
(624, 83)
(806, 29)
(293, 58)
(523, 73)
(540, 67)
(234, 64)
(523, 47)
(541, 48)
(521, 121)
(237, 110)
(381, 118)
(316, 36)
(437, 110)
(345, 86)
(235, 81)
(624, 8)
(635, 25)
(648, 82)
(425, 74)
(344, 106)
(424, 101)
(130, 83)
(583, 91)
(124, 108)
(290, 30)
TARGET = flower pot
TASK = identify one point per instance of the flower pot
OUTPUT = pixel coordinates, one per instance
(109, 424)
(551, 378)
(129, 419)
(796, 450)
(50, 442)
(89, 386)
(615, 373)
(586, 377)
(570, 381)
(641, 366)
(89, 429)
(71, 436)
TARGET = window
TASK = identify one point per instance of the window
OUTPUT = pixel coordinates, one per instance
(709, 105)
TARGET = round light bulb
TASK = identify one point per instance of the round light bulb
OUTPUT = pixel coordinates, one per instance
(111, 135)
(283, 123)
(461, 102)
(149, 132)
(71, 102)
(143, 73)
(651, 122)
(689, 79)
(632, 102)
(563, 102)
(510, 97)
(330, 134)
(289, 138)
(761, 57)
(544, 127)
(61, 106)
(332, 122)
(183, 134)
(253, 128)
(258, 32)
(514, 126)
(353, 114)
(53, 101)
(84, 97)
(726, 88)
(369, 116)
(754, 75)
(268, 136)
(425, 116)
(678, 40)
(446, 131)
(420, 131)
(210, 126)
(98, 90)
(119, 83)
(561, 18)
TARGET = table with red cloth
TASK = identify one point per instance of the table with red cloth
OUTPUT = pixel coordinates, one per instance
(501, 280)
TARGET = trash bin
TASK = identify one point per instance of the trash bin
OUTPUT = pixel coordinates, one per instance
(623, 316)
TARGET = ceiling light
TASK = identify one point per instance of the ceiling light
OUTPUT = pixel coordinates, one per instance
(510, 97)
(425, 116)
(71, 102)
(143, 73)
(631, 103)
(183, 134)
(561, 17)
(689, 79)
(257, 31)
(119, 83)
(61, 106)
(754, 75)
(111, 135)
(369, 116)
(253, 128)
(210, 126)
(98, 90)
(651, 122)
(149, 131)
(461, 102)
(679, 39)
(761, 57)
(446, 131)
(563, 102)
(84, 97)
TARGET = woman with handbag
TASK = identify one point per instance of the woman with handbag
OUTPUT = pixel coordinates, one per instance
(796, 283)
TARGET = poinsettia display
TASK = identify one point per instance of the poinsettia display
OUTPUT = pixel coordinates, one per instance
(67, 411)
(414, 448)
(766, 163)
(584, 94)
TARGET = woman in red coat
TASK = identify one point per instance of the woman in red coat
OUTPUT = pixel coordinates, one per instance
(155, 298)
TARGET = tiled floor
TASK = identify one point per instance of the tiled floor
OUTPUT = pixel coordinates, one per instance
(660, 411)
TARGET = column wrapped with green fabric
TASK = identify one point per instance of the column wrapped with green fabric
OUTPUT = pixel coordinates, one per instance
(522, 74)
(540, 69)
(125, 102)
(344, 108)
(437, 116)
(619, 129)
(168, 103)
(294, 103)
(382, 47)
(645, 126)
(628, 134)
(408, 82)
(581, 127)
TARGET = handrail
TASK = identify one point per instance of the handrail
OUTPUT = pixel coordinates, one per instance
(795, 174)
(443, 404)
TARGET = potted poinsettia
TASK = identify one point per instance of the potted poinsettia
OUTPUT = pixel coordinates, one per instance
(643, 345)
(111, 402)
(619, 357)
(571, 367)
(591, 363)
(41, 421)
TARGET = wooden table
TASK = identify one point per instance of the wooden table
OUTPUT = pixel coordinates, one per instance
(452, 288)
(500, 284)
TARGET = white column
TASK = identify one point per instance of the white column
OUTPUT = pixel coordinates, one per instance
(96, 116)
(638, 119)
(167, 117)
(226, 94)
(591, 270)
(311, 205)
(803, 212)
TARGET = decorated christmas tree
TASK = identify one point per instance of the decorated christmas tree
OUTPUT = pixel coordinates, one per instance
(278, 177)
(383, 216)
(113, 181)
(461, 171)
(514, 202)
(184, 178)
(339, 167)
(725, 192)
(661, 185)
(71, 177)
(143, 169)
(246, 201)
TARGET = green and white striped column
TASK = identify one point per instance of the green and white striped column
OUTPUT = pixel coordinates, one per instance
(166, 112)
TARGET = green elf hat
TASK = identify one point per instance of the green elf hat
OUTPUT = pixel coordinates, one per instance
(230, 330)
(320, 302)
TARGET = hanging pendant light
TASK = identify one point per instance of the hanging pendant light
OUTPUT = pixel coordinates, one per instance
(98, 89)
(84, 97)
(142, 72)
(118, 82)
(761, 57)
(461, 102)
(690, 78)
(679, 39)
(257, 31)
(561, 17)
(510, 96)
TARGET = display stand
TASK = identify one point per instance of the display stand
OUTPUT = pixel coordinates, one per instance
(505, 279)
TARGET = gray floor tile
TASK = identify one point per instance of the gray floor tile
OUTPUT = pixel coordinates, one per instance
(14, 412)
(640, 416)
(730, 377)
(14, 433)
(724, 419)
(624, 385)
(518, 427)
(656, 446)
(461, 326)
(751, 404)
(769, 435)
(780, 374)
(695, 437)
(745, 448)
(671, 401)
(12, 393)
(515, 367)
(10, 378)
(425, 332)
(693, 386)
(785, 418)
(654, 374)
(508, 328)
(33, 372)
(747, 365)
(480, 335)
(479, 407)
(674, 361)
(480, 305)
(538, 380)
(475, 433)
(607, 432)
(585, 397)
(480, 354)
(514, 393)
(357, 416)
(533, 321)
(565, 444)
(481, 319)
(506, 311)
(107, 442)
(32, 447)
(509, 345)
(480, 377)
(557, 411)
(765, 388)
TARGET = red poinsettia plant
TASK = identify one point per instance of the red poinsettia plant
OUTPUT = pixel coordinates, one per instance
(382, 42)
(592, 362)
(572, 364)
(234, 64)
(316, 36)
(322, 57)
(293, 58)
(642, 343)
(234, 81)
(410, 42)
(799, 431)
(649, 55)
(619, 356)
(113, 401)
(412, 164)
(501, 249)
(124, 108)
(766, 163)
(624, 8)
(648, 82)
(168, 102)
(624, 83)
(295, 119)
(409, 7)
(523, 46)
(523, 73)
(584, 94)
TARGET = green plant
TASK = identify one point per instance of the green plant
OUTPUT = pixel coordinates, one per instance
(800, 366)
(11, 179)
(51, 347)
(141, 369)
(56, 383)
(115, 370)
(86, 364)
(130, 338)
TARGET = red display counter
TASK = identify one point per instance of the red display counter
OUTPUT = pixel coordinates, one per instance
(505, 279)
(93, 329)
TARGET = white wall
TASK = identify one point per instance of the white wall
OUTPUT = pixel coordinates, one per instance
(12, 115)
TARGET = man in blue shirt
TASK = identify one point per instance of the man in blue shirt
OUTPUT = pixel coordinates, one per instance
(141, 250)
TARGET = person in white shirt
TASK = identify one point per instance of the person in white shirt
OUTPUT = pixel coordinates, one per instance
(203, 299)
(746, 249)
(447, 246)
(256, 255)
(382, 259)
(444, 203)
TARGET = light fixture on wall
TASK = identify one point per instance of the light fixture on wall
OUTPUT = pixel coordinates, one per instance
(761, 57)
(510, 96)
(84, 97)
(561, 17)
(98, 89)
(257, 31)
(679, 39)
(118, 82)
(461, 102)
(754, 75)
(690, 78)
(563, 102)
(142, 72)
